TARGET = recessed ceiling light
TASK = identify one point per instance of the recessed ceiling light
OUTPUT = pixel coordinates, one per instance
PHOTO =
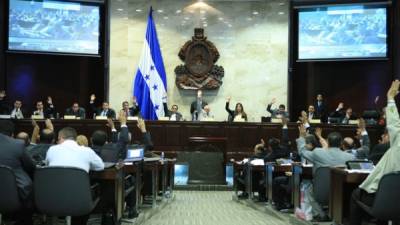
(165, 17)
(120, 9)
(281, 13)
(249, 18)
(186, 18)
(203, 18)
(205, 25)
(229, 25)
(178, 11)
(221, 18)
(138, 10)
(160, 11)
(255, 13)
(282, 3)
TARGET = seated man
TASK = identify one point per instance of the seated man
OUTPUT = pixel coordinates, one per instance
(13, 155)
(16, 112)
(206, 114)
(388, 163)
(322, 157)
(105, 110)
(362, 135)
(131, 111)
(76, 111)
(311, 114)
(342, 116)
(173, 114)
(277, 113)
(69, 153)
(379, 150)
(43, 139)
(48, 112)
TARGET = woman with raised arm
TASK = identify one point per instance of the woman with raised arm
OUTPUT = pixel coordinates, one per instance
(238, 115)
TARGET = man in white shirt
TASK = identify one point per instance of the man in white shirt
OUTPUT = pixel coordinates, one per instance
(17, 113)
(69, 153)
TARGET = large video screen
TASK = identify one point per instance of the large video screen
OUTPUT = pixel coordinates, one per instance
(342, 32)
(54, 27)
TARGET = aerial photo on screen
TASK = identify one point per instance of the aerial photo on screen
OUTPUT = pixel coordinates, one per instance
(53, 26)
(338, 32)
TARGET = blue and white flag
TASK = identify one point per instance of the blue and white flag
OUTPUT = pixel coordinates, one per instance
(150, 85)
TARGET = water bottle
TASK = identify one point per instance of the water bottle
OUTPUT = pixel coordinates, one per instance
(162, 155)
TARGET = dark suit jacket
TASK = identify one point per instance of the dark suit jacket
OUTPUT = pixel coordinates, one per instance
(276, 112)
(38, 152)
(134, 111)
(110, 113)
(169, 113)
(231, 113)
(116, 150)
(13, 155)
(48, 112)
(81, 113)
(321, 111)
(377, 152)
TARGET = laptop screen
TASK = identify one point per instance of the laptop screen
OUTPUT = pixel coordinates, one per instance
(135, 153)
(361, 165)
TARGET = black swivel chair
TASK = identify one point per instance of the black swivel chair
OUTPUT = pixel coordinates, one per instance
(322, 185)
(387, 197)
(9, 198)
(63, 191)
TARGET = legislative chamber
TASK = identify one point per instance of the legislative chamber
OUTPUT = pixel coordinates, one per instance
(136, 112)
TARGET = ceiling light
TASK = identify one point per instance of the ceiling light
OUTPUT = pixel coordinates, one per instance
(160, 11)
(255, 13)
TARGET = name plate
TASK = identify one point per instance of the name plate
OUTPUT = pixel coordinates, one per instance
(207, 119)
(315, 121)
(69, 117)
(101, 117)
(37, 117)
(276, 120)
(5, 116)
(353, 122)
(164, 118)
(239, 120)
(132, 118)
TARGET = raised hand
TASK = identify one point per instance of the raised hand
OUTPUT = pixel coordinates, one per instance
(110, 123)
(228, 99)
(376, 100)
(340, 106)
(49, 100)
(92, 97)
(141, 125)
(302, 130)
(361, 124)
(393, 90)
(122, 118)
(2, 94)
(273, 101)
(318, 132)
(34, 123)
(49, 124)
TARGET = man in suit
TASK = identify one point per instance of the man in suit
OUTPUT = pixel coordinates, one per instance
(279, 112)
(43, 139)
(388, 163)
(105, 110)
(13, 155)
(320, 108)
(16, 112)
(321, 157)
(48, 112)
(197, 106)
(173, 114)
(311, 114)
(131, 111)
(76, 111)
(380, 149)
(362, 135)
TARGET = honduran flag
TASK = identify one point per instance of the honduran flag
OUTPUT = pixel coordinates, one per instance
(150, 85)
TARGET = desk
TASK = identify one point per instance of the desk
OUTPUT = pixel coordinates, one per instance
(342, 185)
(172, 137)
(113, 186)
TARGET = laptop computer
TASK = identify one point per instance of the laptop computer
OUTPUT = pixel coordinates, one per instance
(360, 165)
(134, 154)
